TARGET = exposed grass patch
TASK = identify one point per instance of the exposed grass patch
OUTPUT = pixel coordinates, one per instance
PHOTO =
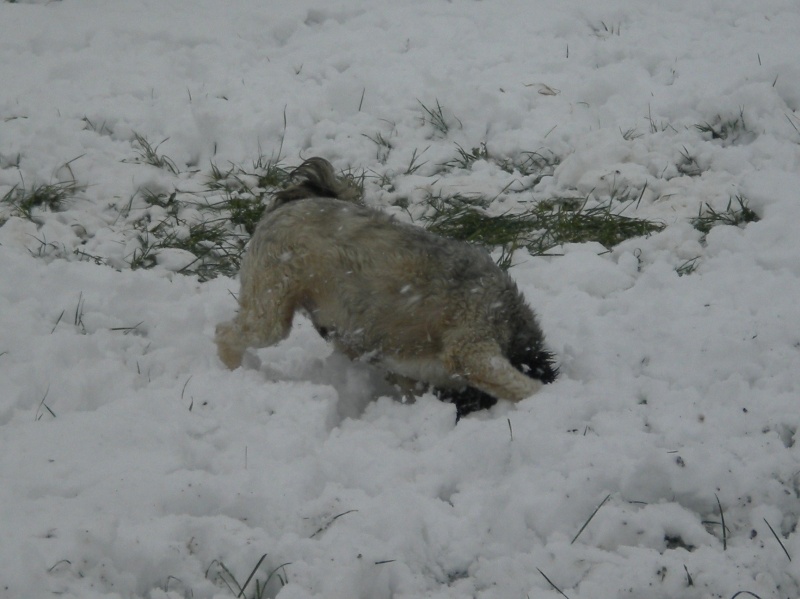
(630, 134)
(242, 210)
(620, 192)
(204, 232)
(736, 213)
(243, 191)
(414, 164)
(688, 267)
(688, 164)
(216, 243)
(383, 145)
(465, 159)
(214, 225)
(220, 574)
(537, 164)
(464, 218)
(657, 126)
(25, 201)
(100, 129)
(148, 154)
(604, 30)
(539, 229)
(216, 251)
(726, 129)
(580, 223)
(436, 118)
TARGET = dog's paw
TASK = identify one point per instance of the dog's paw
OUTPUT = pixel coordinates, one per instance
(230, 352)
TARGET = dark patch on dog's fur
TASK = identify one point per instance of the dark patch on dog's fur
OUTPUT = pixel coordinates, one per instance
(538, 364)
(465, 400)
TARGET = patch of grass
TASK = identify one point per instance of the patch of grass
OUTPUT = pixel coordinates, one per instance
(100, 129)
(215, 225)
(216, 245)
(506, 258)
(601, 223)
(384, 146)
(24, 201)
(463, 218)
(264, 176)
(162, 200)
(630, 134)
(735, 214)
(603, 29)
(216, 251)
(220, 574)
(148, 154)
(688, 267)
(228, 215)
(353, 179)
(214, 222)
(269, 173)
(435, 118)
(658, 126)
(243, 210)
(537, 164)
(619, 192)
(540, 229)
(41, 412)
(688, 164)
(241, 207)
(47, 249)
(145, 255)
(726, 129)
(86, 257)
(465, 159)
(413, 164)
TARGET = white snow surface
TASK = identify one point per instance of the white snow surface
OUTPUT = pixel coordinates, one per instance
(133, 464)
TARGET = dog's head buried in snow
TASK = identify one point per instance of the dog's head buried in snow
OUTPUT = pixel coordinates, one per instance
(427, 309)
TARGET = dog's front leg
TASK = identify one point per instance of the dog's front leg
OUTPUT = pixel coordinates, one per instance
(260, 323)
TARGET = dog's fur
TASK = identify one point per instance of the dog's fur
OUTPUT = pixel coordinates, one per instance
(425, 308)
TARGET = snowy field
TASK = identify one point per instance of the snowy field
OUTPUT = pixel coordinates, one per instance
(664, 461)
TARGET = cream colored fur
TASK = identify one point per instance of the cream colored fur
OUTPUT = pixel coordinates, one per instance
(423, 307)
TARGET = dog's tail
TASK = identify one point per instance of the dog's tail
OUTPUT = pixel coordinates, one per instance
(317, 179)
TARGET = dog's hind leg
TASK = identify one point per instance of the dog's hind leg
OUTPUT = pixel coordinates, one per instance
(266, 309)
(484, 366)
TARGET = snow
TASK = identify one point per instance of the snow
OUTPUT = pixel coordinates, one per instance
(133, 464)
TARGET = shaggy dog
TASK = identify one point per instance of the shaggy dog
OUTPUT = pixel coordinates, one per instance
(425, 308)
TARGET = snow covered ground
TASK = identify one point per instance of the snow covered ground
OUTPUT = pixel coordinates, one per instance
(132, 464)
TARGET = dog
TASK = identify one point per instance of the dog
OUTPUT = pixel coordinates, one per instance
(429, 310)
